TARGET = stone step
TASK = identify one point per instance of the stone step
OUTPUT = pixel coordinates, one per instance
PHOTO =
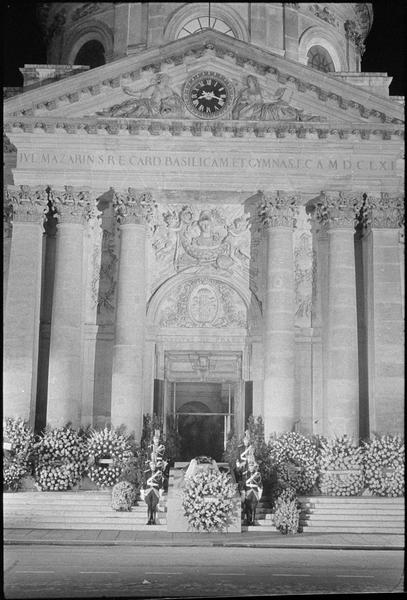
(393, 510)
(355, 515)
(107, 525)
(98, 509)
(326, 528)
(376, 500)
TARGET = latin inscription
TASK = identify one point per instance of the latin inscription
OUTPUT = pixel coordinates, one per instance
(117, 161)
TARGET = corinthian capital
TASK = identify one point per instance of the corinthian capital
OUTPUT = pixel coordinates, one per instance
(27, 204)
(382, 211)
(338, 210)
(278, 209)
(72, 205)
(133, 206)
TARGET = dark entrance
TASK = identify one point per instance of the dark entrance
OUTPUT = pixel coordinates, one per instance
(201, 434)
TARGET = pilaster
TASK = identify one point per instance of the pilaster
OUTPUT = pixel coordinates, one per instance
(73, 207)
(384, 221)
(277, 213)
(336, 212)
(134, 209)
(22, 304)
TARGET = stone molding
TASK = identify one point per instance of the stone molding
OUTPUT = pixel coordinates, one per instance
(27, 204)
(217, 50)
(383, 212)
(195, 128)
(338, 210)
(278, 209)
(134, 207)
(72, 205)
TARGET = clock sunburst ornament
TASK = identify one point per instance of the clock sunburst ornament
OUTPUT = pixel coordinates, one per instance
(208, 95)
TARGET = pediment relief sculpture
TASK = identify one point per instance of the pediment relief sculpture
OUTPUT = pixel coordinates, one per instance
(160, 100)
(157, 99)
(251, 105)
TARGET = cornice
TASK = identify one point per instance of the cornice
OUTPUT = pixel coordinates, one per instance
(212, 44)
(198, 128)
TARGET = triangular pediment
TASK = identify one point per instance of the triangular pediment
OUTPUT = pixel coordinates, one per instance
(286, 91)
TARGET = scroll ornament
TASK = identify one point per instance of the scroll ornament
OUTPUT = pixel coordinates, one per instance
(338, 210)
(72, 205)
(382, 211)
(27, 204)
(278, 210)
(134, 207)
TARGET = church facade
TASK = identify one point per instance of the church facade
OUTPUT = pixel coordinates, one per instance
(207, 224)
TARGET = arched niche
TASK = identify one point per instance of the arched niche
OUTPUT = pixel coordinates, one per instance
(203, 301)
(91, 31)
(319, 36)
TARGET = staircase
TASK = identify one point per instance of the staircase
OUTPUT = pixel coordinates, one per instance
(352, 514)
(264, 517)
(75, 510)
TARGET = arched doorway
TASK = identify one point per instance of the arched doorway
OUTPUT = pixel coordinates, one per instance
(201, 433)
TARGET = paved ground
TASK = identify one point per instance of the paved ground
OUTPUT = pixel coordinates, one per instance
(162, 538)
(49, 571)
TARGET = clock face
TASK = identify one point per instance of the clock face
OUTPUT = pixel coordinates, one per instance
(208, 95)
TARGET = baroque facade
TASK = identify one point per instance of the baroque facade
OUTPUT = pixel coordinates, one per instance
(208, 224)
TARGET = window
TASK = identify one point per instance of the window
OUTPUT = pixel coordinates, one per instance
(92, 53)
(319, 59)
(205, 22)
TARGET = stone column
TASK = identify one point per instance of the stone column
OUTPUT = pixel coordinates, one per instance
(278, 216)
(384, 220)
(337, 212)
(22, 303)
(133, 210)
(65, 360)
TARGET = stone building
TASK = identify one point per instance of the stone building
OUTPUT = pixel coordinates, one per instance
(204, 218)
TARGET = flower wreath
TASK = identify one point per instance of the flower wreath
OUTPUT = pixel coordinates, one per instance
(18, 442)
(384, 465)
(207, 501)
(295, 457)
(61, 458)
(108, 451)
(341, 467)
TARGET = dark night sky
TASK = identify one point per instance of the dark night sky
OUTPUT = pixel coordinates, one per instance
(385, 45)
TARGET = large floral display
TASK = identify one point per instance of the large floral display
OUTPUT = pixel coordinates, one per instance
(384, 465)
(108, 452)
(341, 467)
(18, 442)
(295, 458)
(208, 500)
(60, 458)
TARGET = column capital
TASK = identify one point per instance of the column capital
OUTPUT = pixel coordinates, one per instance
(278, 209)
(72, 205)
(27, 204)
(380, 211)
(338, 210)
(134, 206)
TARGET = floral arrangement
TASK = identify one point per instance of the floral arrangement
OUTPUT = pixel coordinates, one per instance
(341, 467)
(296, 460)
(208, 501)
(123, 496)
(18, 443)
(384, 465)
(109, 451)
(286, 514)
(60, 458)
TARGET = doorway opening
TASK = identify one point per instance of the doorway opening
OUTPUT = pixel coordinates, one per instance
(204, 417)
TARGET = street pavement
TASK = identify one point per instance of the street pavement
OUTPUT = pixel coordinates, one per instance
(250, 539)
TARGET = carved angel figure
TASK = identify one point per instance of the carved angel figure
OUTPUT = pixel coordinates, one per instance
(250, 105)
(156, 100)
